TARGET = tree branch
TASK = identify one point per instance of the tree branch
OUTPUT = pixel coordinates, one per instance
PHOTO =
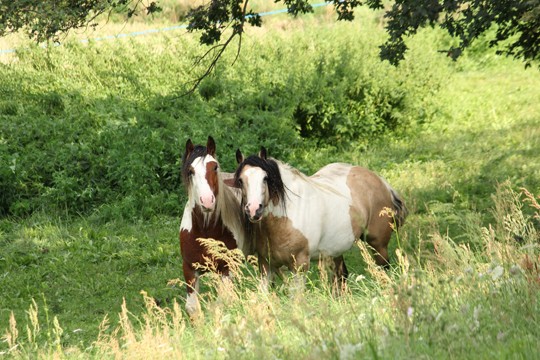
(213, 63)
(237, 30)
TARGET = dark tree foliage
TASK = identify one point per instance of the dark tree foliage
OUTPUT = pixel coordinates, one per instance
(45, 20)
(517, 25)
(517, 22)
(214, 17)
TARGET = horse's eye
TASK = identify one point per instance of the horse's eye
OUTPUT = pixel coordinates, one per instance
(240, 182)
(265, 179)
(215, 167)
(191, 172)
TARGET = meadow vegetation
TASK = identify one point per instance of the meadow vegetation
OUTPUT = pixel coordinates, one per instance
(91, 136)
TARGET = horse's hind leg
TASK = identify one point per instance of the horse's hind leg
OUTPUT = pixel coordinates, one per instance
(340, 273)
(380, 251)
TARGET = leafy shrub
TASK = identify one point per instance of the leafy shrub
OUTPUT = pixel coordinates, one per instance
(102, 126)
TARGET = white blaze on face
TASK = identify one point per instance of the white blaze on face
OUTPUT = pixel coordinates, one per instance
(202, 192)
(254, 184)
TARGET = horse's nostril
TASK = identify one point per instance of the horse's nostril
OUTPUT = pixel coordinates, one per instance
(207, 202)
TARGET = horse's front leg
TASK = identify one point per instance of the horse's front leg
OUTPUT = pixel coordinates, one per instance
(299, 267)
(267, 275)
(193, 307)
(225, 287)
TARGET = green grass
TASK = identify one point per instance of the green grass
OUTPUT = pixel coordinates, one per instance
(82, 270)
(90, 145)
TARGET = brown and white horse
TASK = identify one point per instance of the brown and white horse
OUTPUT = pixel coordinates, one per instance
(212, 211)
(300, 218)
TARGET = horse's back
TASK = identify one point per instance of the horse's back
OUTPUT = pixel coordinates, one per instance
(333, 178)
(367, 193)
(332, 171)
(357, 179)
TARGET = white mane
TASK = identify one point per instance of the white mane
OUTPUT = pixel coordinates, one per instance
(298, 175)
(228, 207)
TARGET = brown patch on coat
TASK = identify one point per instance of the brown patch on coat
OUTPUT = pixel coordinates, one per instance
(194, 252)
(280, 244)
(369, 197)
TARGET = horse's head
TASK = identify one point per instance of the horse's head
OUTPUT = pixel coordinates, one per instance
(200, 174)
(260, 181)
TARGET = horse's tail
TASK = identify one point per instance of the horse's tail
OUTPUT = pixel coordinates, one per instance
(400, 210)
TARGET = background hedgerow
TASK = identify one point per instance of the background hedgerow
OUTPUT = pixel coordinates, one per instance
(89, 125)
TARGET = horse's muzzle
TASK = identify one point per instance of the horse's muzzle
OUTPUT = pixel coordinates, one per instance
(208, 203)
(255, 219)
(254, 216)
(207, 210)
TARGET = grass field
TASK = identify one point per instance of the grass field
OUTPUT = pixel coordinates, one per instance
(91, 269)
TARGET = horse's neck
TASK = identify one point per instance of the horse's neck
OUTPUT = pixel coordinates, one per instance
(296, 186)
(302, 185)
(204, 221)
(291, 177)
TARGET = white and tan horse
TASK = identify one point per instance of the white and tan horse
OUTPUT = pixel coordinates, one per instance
(212, 211)
(300, 218)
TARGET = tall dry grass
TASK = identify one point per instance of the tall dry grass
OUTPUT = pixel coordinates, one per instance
(441, 299)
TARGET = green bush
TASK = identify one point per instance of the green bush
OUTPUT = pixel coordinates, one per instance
(102, 126)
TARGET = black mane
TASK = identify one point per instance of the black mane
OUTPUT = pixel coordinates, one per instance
(275, 184)
(187, 160)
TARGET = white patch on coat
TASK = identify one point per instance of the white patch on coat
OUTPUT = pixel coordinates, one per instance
(318, 207)
(187, 221)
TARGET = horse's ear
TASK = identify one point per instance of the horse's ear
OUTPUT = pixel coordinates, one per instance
(239, 156)
(189, 148)
(230, 182)
(262, 153)
(211, 147)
